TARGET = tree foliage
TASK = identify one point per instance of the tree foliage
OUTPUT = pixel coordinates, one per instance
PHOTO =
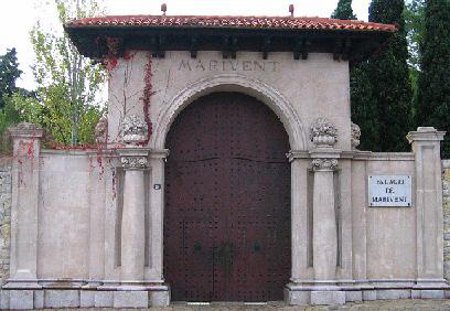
(68, 84)
(364, 112)
(389, 78)
(9, 72)
(433, 96)
(344, 10)
(415, 27)
(414, 24)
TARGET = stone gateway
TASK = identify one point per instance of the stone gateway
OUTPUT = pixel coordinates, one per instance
(226, 169)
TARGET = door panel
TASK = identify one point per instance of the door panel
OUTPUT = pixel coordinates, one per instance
(227, 193)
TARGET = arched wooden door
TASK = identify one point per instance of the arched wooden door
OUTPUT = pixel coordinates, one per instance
(227, 193)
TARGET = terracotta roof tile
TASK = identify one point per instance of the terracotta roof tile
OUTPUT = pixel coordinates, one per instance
(240, 22)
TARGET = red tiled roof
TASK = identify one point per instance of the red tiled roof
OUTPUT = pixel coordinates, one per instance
(239, 22)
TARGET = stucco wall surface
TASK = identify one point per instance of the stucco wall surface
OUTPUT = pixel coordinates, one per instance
(164, 82)
(391, 231)
(446, 208)
(63, 239)
(5, 217)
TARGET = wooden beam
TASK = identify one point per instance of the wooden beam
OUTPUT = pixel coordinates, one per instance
(230, 47)
(301, 49)
(347, 49)
(266, 47)
(337, 50)
(157, 43)
(194, 47)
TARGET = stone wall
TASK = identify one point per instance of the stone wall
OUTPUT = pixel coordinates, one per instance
(5, 217)
(446, 208)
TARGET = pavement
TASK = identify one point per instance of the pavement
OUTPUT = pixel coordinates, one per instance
(380, 305)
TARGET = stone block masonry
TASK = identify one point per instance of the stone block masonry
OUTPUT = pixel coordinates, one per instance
(446, 210)
(5, 218)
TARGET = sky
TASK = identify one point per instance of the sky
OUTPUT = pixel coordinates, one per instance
(17, 17)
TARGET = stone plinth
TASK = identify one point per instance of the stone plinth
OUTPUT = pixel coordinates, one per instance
(426, 147)
(24, 210)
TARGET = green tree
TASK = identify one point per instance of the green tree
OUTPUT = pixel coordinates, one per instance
(9, 114)
(68, 83)
(364, 112)
(363, 106)
(433, 95)
(389, 76)
(9, 72)
(415, 27)
(344, 10)
(414, 24)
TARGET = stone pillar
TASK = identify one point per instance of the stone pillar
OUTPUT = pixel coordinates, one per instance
(322, 288)
(25, 203)
(98, 175)
(324, 217)
(157, 159)
(134, 162)
(299, 216)
(426, 147)
(324, 163)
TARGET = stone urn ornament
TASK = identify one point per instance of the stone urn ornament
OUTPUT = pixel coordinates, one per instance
(134, 131)
(323, 133)
(101, 131)
(356, 135)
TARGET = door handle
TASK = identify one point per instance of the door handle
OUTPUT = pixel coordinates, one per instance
(197, 246)
(224, 255)
(256, 247)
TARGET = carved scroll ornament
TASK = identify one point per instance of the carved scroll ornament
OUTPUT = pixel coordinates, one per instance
(134, 163)
(324, 164)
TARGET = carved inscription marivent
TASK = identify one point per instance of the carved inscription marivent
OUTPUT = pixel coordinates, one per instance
(228, 65)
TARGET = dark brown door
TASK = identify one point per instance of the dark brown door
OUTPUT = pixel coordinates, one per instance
(227, 213)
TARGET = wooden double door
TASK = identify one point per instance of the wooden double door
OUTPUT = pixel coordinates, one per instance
(227, 202)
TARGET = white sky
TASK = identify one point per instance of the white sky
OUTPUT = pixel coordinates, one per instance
(17, 17)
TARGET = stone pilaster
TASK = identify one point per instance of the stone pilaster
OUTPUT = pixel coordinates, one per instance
(134, 162)
(300, 238)
(322, 287)
(157, 161)
(426, 147)
(324, 216)
(25, 204)
(324, 227)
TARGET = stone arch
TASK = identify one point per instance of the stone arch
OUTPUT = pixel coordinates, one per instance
(236, 83)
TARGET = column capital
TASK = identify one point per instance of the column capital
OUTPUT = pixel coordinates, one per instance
(325, 159)
(134, 158)
(26, 130)
(425, 134)
(324, 164)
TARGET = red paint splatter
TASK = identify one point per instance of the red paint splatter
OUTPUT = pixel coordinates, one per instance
(127, 55)
(111, 63)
